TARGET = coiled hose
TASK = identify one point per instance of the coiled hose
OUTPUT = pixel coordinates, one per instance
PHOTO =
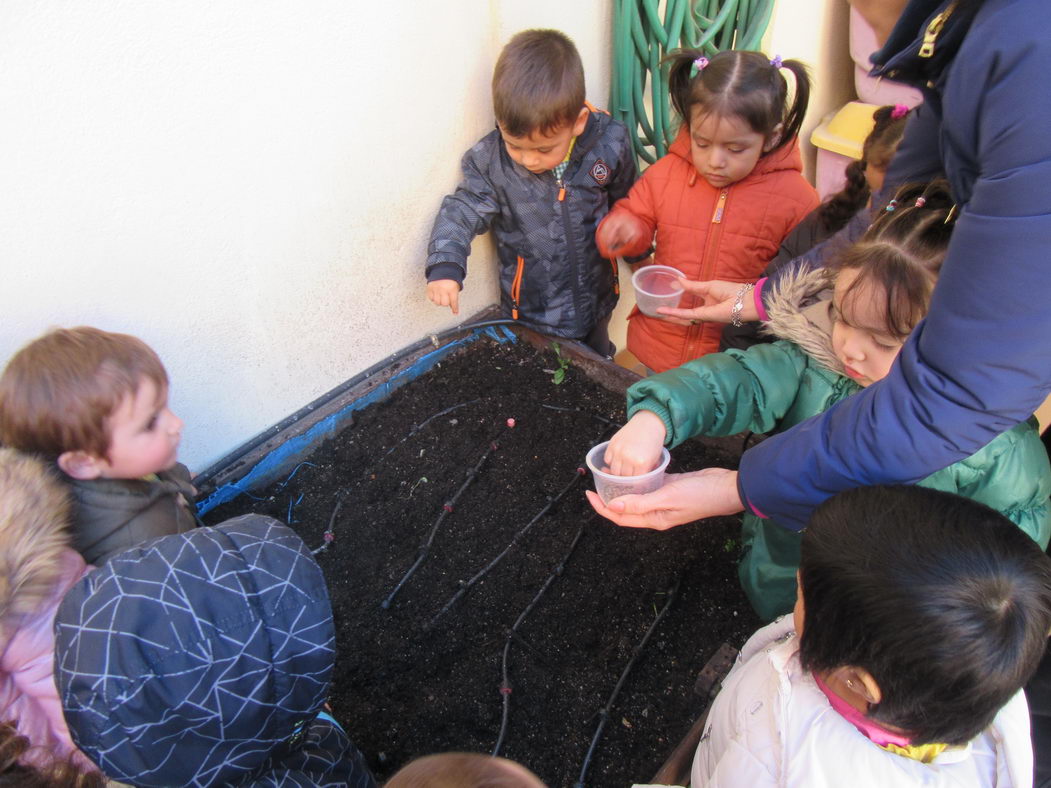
(642, 37)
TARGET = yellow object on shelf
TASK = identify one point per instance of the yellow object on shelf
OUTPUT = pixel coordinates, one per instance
(844, 130)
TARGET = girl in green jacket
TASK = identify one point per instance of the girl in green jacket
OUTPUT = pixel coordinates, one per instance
(839, 330)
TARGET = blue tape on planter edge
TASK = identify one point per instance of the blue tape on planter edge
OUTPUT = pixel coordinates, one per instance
(295, 448)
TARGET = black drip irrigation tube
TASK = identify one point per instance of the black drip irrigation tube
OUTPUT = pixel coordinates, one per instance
(447, 509)
(202, 479)
(604, 712)
(512, 634)
(329, 534)
(603, 419)
(466, 585)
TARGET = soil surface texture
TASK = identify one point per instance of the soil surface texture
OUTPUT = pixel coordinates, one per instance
(569, 596)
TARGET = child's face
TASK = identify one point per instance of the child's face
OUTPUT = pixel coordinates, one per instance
(859, 334)
(144, 435)
(724, 148)
(539, 152)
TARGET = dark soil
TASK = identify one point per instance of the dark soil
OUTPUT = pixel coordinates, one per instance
(404, 686)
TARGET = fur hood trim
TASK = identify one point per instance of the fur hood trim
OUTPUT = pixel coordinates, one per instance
(798, 310)
(34, 523)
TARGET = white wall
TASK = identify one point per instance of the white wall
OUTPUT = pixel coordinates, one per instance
(249, 185)
(246, 185)
(816, 32)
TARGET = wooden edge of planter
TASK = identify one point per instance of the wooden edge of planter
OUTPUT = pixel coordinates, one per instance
(676, 769)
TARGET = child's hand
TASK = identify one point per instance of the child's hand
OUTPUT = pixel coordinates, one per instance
(445, 292)
(636, 448)
(617, 231)
(685, 497)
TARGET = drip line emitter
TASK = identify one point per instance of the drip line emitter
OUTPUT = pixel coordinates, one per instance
(512, 634)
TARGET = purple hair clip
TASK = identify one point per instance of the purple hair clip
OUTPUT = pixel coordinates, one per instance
(899, 111)
(698, 65)
(776, 62)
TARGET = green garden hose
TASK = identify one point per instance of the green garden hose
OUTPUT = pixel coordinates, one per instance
(641, 39)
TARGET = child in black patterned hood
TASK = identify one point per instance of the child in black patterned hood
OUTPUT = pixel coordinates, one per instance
(204, 658)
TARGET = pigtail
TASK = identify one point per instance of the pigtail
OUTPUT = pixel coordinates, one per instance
(680, 79)
(793, 120)
(839, 209)
(877, 150)
(887, 130)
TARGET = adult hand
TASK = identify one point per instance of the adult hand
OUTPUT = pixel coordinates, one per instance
(685, 497)
(445, 292)
(636, 447)
(719, 298)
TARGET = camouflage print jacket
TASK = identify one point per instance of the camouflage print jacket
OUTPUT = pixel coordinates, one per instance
(551, 274)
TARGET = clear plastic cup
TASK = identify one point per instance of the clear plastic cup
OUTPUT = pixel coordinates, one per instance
(656, 285)
(609, 486)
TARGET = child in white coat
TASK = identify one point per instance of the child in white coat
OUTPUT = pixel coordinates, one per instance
(920, 617)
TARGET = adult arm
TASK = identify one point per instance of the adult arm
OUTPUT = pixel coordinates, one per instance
(981, 361)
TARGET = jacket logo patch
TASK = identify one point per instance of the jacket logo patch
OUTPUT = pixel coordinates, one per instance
(600, 172)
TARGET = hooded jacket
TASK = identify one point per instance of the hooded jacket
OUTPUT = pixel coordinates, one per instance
(770, 725)
(709, 233)
(204, 658)
(771, 388)
(110, 515)
(38, 567)
(551, 275)
(980, 362)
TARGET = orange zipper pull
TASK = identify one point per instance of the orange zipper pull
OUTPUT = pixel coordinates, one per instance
(516, 287)
(562, 194)
(720, 205)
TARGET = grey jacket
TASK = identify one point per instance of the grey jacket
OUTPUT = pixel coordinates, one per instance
(564, 287)
(111, 515)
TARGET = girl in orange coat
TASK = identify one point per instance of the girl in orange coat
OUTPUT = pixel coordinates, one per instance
(728, 192)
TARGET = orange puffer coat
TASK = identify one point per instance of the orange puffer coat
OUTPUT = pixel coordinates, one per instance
(708, 233)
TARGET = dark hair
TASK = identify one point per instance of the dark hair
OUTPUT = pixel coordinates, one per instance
(876, 151)
(538, 83)
(745, 84)
(15, 769)
(902, 253)
(946, 603)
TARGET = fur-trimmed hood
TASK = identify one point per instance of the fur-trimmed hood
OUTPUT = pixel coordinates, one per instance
(34, 535)
(799, 311)
(37, 568)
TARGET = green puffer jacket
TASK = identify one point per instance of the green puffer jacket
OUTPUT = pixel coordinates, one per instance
(771, 388)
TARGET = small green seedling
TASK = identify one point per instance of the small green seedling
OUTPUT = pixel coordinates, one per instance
(558, 376)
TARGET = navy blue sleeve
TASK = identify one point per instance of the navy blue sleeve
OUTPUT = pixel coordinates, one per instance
(981, 361)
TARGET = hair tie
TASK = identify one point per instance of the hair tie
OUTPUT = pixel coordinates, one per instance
(891, 206)
(921, 201)
(899, 111)
(776, 62)
(698, 66)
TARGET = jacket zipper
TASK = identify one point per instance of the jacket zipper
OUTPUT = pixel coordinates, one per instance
(715, 232)
(571, 246)
(934, 29)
